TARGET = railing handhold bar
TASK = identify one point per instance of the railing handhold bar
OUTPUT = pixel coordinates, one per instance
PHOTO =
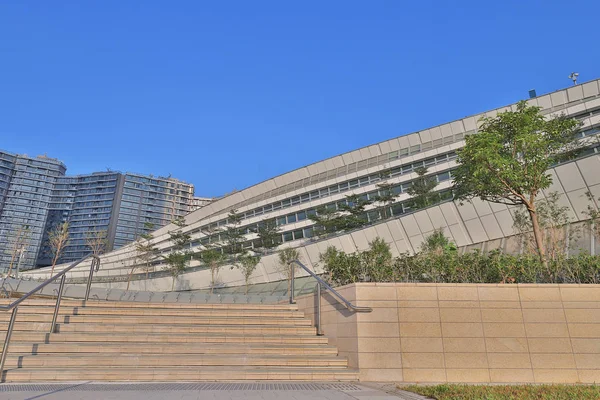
(328, 287)
(47, 282)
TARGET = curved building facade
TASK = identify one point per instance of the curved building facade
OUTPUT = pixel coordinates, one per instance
(291, 198)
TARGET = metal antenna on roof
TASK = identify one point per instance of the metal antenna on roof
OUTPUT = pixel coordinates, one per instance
(573, 77)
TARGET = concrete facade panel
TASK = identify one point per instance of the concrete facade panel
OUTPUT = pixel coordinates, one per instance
(506, 222)
(450, 212)
(410, 226)
(467, 211)
(437, 218)
(482, 208)
(589, 168)
(423, 221)
(569, 177)
(491, 226)
(476, 231)
(575, 93)
(590, 89)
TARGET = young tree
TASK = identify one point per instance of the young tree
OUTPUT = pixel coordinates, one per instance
(234, 237)
(180, 254)
(285, 266)
(97, 240)
(214, 258)
(421, 190)
(327, 220)
(269, 234)
(437, 243)
(507, 161)
(385, 196)
(19, 245)
(247, 264)
(593, 214)
(552, 218)
(58, 239)
(145, 250)
(355, 214)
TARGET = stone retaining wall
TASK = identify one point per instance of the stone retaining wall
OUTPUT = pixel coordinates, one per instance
(467, 332)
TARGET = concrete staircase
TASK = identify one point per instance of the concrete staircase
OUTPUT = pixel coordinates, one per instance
(129, 341)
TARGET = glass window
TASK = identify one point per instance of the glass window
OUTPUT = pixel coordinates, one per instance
(291, 218)
(295, 200)
(311, 213)
(364, 181)
(280, 221)
(397, 209)
(301, 215)
(286, 203)
(393, 155)
(314, 195)
(343, 186)
(407, 168)
(353, 183)
(443, 176)
(403, 152)
(298, 234)
(308, 232)
(288, 237)
(334, 189)
(276, 206)
(304, 198)
(429, 162)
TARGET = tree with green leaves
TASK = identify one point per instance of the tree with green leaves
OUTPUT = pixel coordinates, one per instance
(145, 251)
(234, 237)
(507, 161)
(247, 264)
(180, 255)
(285, 265)
(385, 195)
(214, 259)
(437, 243)
(326, 219)
(58, 239)
(269, 234)
(593, 213)
(421, 190)
(355, 215)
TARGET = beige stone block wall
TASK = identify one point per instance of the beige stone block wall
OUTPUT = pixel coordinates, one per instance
(467, 332)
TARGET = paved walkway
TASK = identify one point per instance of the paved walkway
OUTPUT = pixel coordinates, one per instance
(193, 391)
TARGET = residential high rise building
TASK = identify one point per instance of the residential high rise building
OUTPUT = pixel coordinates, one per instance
(199, 202)
(26, 185)
(36, 196)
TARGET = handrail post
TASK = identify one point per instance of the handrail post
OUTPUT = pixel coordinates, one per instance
(292, 279)
(89, 282)
(9, 331)
(318, 318)
(57, 306)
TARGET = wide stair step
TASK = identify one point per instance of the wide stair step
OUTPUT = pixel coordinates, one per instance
(128, 341)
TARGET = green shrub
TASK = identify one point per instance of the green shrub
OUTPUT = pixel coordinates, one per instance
(443, 264)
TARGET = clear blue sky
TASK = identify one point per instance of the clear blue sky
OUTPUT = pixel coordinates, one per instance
(225, 94)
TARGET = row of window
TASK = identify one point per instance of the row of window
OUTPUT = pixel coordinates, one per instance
(342, 187)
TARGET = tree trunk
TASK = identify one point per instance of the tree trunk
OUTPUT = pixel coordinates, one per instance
(129, 277)
(212, 280)
(537, 234)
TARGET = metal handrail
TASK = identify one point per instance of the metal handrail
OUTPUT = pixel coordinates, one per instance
(14, 306)
(320, 285)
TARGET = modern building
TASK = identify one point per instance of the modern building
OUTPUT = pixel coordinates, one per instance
(119, 206)
(199, 202)
(26, 185)
(291, 198)
(36, 196)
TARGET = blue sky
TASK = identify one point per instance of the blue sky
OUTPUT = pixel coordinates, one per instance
(225, 94)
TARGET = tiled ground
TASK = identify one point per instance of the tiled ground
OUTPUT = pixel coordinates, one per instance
(211, 391)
